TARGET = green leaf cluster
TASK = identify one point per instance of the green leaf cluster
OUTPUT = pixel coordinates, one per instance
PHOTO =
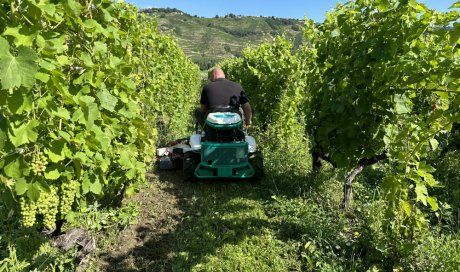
(386, 81)
(376, 77)
(275, 80)
(86, 86)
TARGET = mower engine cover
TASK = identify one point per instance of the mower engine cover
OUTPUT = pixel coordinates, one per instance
(223, 120)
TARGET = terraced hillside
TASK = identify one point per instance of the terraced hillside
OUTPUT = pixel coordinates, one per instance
(209, 40)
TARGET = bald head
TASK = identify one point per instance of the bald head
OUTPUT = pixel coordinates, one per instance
(216, 73)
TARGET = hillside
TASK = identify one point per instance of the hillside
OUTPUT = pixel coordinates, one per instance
(209, 40)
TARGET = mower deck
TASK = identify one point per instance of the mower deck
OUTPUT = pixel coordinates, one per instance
(224, 160)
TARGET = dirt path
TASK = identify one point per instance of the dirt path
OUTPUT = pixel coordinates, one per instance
(148, 245)
(214, 225)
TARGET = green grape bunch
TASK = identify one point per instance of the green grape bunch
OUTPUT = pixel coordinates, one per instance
(47, 206)
(67, 197)
(39, 163)
(28, 212)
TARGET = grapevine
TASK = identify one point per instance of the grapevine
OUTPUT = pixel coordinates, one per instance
(85, 94)
(376, 82)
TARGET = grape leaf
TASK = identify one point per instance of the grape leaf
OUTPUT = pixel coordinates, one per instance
(433, 203)
(421, 192)
(401, 106)
(62, 113)
(4, 48)
(72, 7)
(52, 172)
(42, 77)
(57, 150)
(335, 33)
(407, 207)
(87, 61)
(24, 133)
(22, 35)
(434, 143)
(19, 102)
(455, 34)
(21, 186)
(423, 166)
(42, 185)
(17, 71)
(96, 187)
(50, 9)
(90, 114)
(131, 173)
(100, 47)
(108, 101)
(125, 160)
(66, 136)
(85, 185)
(130, 191)
(34, 192)
(92, 26)
(128, 83)
(13, 169)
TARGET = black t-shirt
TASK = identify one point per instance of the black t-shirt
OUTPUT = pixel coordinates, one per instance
(223, 92)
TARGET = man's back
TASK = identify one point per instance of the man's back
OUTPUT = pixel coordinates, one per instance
(223, 92)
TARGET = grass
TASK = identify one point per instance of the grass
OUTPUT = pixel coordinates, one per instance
(282, 223)
(239, 226)
(227, 227)
(28, 250)
(289, 221)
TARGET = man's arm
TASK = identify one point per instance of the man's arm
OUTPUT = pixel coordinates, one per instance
(247, 110)
(204, 100)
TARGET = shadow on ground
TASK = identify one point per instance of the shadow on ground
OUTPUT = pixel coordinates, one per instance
(185, 224)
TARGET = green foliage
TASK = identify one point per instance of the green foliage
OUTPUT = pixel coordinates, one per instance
(270, 76)
(12, 263)
(17, 71)
(205, 63)
(326, 240)
(370, 74)
(448, 174)
(437, 253)
(275, 82)
(95, 218)
(24, 249)
(376, 62)
(84, 94)
(377, 77)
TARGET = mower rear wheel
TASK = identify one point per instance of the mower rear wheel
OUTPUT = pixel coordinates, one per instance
(257, 162)
(191, 161)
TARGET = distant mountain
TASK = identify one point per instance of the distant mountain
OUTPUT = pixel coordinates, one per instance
(208, 40)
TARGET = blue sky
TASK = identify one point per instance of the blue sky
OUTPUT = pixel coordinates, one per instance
(279, 8)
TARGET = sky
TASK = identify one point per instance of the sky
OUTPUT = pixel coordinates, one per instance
(313, 9)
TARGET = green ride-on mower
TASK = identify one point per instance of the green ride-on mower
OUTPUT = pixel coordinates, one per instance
(221, 148)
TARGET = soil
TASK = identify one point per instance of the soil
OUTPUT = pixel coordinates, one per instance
(149, 244)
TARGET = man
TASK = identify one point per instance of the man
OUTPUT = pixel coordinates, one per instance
(223, 92)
